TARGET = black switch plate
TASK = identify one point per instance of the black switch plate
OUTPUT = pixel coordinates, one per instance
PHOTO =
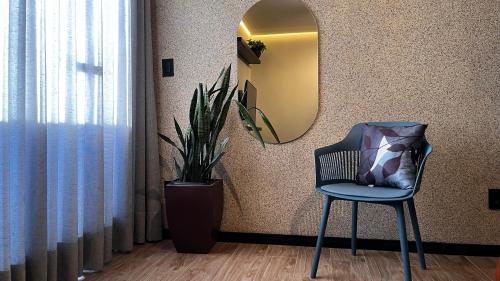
(494, 199)
(167, 66)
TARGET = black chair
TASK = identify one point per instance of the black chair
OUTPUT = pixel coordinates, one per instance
(336, 168)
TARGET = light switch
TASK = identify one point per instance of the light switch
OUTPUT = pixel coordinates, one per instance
(494, 199)
(167, 66)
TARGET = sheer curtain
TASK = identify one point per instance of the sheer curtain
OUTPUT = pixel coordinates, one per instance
(78, 166)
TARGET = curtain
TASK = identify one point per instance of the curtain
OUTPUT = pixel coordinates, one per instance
(148, 195)
(79, 172)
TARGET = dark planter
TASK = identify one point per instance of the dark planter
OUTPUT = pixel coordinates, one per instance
(258, 53)
(194, 214)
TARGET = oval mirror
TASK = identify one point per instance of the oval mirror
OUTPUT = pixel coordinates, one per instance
(278, 68)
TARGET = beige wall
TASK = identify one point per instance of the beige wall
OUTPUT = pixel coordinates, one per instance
(287, 84)
(433, 62)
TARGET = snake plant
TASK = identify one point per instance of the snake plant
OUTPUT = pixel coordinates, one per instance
(198, 145)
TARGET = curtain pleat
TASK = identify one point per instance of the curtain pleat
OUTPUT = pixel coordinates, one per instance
(35, 143)
(148, 214)
(79, 163)
(15, 132)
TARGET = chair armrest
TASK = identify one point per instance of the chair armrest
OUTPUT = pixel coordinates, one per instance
(427, 150)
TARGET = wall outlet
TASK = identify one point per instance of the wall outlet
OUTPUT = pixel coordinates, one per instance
(494, 199)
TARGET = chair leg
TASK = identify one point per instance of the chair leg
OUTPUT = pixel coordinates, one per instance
(404, 243)
(416, 233)
(319, 243)
(354, 227)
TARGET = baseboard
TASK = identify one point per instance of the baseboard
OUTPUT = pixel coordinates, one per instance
(368, 244)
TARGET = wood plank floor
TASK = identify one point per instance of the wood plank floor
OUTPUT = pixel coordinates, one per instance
(231, 261)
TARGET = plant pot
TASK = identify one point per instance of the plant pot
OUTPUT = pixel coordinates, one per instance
(194, 214)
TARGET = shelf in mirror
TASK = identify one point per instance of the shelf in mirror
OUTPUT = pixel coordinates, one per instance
(246, 54)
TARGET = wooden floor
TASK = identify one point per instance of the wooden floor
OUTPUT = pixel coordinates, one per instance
(231, 261)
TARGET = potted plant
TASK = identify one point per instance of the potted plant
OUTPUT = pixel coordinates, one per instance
(194, 201)
(257, 46)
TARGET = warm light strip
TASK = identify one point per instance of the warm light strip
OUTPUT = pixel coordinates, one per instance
(245, 28)
(243, 25)
(287, 34)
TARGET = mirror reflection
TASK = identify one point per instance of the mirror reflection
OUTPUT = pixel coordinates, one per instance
(278, 68)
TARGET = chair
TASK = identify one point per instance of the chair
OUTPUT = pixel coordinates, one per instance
(336, 168)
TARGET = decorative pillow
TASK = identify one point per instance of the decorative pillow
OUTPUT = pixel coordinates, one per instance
(387, 156)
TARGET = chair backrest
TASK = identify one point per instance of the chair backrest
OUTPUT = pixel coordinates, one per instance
(339, 162)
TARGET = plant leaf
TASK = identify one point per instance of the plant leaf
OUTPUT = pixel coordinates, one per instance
(389, 132)
(391, 166)
(212, 91)
(221, 121)
(218, 155)
(214, 162)
(172, 143)
(168, 140)
(398, 147)
(192, 108)
(178, 170)
(370, 178)
(222, 145)
(243, 96)
(225, 81)
(221, 96)
(201, 98)
(268, 124)
(246, 116)
(203, 126)
(180, 134)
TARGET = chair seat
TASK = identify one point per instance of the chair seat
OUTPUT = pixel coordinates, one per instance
(353, 192)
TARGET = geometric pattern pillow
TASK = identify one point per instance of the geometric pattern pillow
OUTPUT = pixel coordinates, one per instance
(387, 155)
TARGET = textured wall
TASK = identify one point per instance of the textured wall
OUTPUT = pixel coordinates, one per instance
(436, 62)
